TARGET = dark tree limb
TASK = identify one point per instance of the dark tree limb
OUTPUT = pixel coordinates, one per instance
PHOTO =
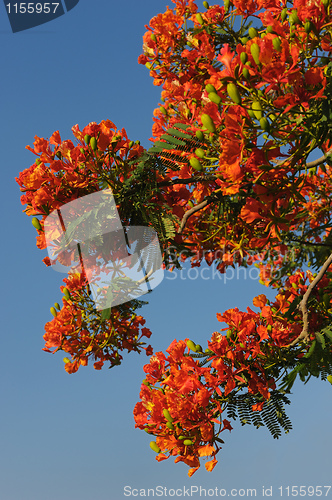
(217, 195)
(305, 334)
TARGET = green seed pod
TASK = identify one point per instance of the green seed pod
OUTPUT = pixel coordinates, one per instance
(277, 43)
(254, 49)
(206, 5)
(243, 57)
(170, 426)
(53, 311)
(307, 27)
(284, 14)
(87, 139)
(66, 293)
(329, 378)
(264, 124)
(257, 109)
(188, 442)
(208, 123)
(196, 164)
(200, 152)
(199, 348)
(35, 222)
(234, 93)
(210, 88)
(293, 18)
(191, 345)
(93, 143)
(163, 110)
(244, 40)
(326, 300)
(214, 98)
(57, 306)
(199, 134)
(153, 37)
(66, 360)
(167, 415)
(253, 32)
(246, 73)
(154, 446)
(199, 18)
(269, 29)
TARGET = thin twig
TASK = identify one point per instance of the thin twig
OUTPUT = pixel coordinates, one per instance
(304, 335)
(208, 200)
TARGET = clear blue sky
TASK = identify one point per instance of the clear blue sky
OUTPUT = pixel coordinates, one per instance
(72, 437)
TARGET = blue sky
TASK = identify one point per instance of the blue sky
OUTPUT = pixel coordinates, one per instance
(72, 437)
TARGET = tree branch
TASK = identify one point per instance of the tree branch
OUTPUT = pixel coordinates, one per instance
(304, 335)
(313, 163)
(320, 160)
(208, 200)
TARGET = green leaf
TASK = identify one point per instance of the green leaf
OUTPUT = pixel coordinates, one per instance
(172, 140)
(106, 313)
(320, 339)
(162, 145)
(177, 133)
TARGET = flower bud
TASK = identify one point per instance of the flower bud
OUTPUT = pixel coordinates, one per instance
(233, 93)
(253, 32)
(191, 345)
(196, 164)
(188, 442)
(93, 143)
(35, 222)
(154, 447)
(53, 311)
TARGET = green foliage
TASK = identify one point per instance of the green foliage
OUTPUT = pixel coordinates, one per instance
(272, 415)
